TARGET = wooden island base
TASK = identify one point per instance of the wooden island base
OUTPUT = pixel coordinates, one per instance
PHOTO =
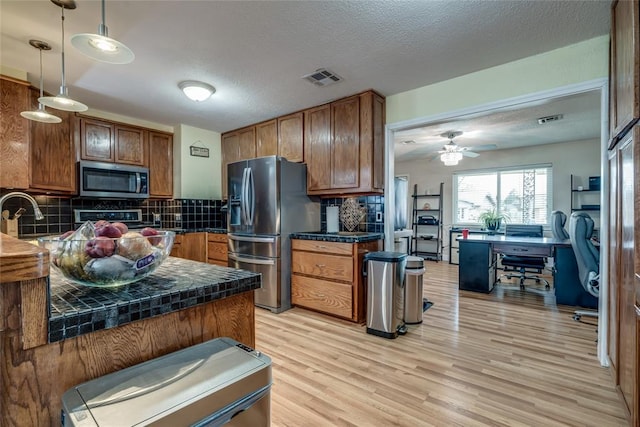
(34, 374)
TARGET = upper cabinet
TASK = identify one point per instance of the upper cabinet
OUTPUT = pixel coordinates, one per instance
(344, 146)
(105, 141)
(34, 156)
(291, 137)
(624, 82)
(237, 145)
(14, 134)
(52, 153)
(160, 164)
(267, 138)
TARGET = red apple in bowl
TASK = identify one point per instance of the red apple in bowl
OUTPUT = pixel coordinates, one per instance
(149, 232)
(121, 226)
(100, 247)
(109, 230)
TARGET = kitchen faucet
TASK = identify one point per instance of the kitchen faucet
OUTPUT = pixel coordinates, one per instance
(36, 209)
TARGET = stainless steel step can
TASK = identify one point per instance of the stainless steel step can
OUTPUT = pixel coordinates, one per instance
(413, 300)
(385, 273)
(218, 382)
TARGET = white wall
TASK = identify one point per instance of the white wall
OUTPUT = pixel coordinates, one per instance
(580, 158)
(576, 63)
(196, 177)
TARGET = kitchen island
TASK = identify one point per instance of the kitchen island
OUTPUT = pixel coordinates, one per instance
(55, 334)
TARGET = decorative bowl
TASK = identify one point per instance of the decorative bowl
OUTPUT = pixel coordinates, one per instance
(107, 261)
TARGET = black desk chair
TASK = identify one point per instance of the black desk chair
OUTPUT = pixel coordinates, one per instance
(523, 264)
(587, 257)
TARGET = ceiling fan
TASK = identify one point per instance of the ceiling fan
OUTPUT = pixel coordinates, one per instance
(452, 153)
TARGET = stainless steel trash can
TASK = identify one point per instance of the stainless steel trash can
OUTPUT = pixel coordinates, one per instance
(207, 384)
(413, 300)
(385, 293)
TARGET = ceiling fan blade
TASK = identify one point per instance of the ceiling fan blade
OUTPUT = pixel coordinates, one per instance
(469, 154)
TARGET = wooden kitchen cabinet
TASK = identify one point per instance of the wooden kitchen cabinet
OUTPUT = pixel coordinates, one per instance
(237, 145)
(106, 141)
(624, 270)
(191, 246)
(34, 156)
(14, 134)
(624, 83)
(267, 138)
(217, 249)
(327, 277)
(344, 152)
(52, 153)
(291, 137)
(160, 163)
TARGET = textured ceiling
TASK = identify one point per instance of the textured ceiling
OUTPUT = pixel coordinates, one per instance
(507, 128)
(255, 52)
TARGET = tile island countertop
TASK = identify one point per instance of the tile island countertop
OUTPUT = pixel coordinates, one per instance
(177, 284)
(56, 335)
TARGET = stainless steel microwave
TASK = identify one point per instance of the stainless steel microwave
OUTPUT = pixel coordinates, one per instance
(112, 180)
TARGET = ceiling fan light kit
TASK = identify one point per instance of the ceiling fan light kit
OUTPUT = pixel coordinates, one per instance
(101, 47)
(62, 100)
(451, 158)
(40, 115)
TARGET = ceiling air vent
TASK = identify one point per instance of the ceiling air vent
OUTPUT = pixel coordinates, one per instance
(549, 119)
(322, 77)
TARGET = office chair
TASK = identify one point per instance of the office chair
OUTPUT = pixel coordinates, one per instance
(522, 263)
(587, 257)
(558, 219)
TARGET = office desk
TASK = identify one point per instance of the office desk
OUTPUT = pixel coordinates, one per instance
(478, 261)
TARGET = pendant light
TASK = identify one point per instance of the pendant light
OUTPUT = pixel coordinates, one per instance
(101, 47)
(40, 115)
(62, 100)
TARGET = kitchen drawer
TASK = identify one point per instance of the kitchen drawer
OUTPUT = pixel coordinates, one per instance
(217, 237)
(323, 265)
(217, 250)
(336, 248)
(328, 297)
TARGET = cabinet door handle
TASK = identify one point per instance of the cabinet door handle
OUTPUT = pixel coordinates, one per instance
(637, 309)
(321, 247)
(320, 265)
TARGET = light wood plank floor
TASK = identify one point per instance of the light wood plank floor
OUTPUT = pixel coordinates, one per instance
(509, 358)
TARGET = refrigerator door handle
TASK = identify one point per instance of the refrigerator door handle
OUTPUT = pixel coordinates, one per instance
(251, 260)
(243, 198)
(251, 199)
(252, 239)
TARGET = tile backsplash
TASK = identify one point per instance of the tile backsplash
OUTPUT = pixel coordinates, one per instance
(58, 213)
(375, 208)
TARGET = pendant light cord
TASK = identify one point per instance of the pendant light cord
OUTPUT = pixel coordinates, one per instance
(64, 83)
(41, 78)
(103, 31)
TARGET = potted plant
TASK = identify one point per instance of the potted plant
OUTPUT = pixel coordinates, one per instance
(492, 220)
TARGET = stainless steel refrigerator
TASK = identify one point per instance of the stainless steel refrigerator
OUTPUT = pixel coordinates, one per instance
(268, 201)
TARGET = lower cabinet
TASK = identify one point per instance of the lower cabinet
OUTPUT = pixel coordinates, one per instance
(191, 246)
(327, 277)
(217, 249)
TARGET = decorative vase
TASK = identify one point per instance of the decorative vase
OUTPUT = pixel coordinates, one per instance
(352, 213)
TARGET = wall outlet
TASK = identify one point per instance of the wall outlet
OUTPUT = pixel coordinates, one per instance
(177, 217)
(156, 217)
(378, 216)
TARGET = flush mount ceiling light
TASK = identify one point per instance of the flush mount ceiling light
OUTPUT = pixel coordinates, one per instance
(101, 47)
(197, 91)
(40, 115)
(451, 158)
(62, 100)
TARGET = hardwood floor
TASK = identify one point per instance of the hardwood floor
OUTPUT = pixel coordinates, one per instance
(510, 358)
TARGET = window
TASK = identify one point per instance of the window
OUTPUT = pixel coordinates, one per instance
(523, 195)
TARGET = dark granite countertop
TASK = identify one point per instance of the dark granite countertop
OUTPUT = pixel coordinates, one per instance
(176, 284)
(344, 237)
(197, 230)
